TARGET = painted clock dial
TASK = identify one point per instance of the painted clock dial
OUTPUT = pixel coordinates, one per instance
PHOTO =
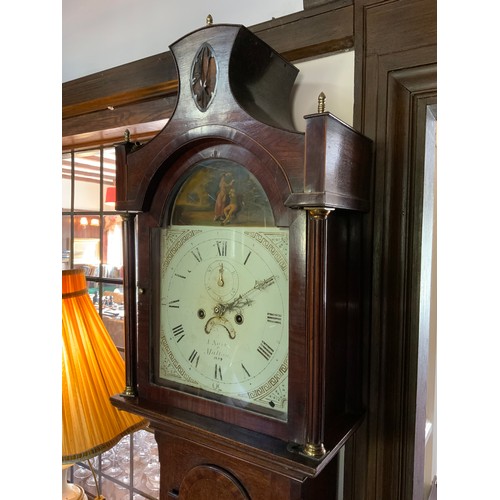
(224, 294)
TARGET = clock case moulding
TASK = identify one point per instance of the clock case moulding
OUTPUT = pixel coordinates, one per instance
(318, 185)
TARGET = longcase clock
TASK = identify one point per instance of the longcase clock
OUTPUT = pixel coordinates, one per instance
(242, 278)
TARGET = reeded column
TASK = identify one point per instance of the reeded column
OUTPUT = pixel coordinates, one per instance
(130, 301)
(316, 330)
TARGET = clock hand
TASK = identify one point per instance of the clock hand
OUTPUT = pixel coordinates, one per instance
(238, 303)
(220, 281)
(243, 300)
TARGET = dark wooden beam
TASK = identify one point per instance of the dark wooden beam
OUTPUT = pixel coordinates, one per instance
(321, 30)
(145, 79)
(314, 3)
(130, 114)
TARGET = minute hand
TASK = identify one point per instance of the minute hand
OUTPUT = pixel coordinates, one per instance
(245, 300)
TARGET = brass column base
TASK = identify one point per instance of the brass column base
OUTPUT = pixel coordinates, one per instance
(129, 392)
(314, 450)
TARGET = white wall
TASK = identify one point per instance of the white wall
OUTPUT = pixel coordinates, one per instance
(332, 75)
(102, 34)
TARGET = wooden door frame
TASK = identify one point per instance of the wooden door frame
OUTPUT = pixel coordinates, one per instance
(396, 79)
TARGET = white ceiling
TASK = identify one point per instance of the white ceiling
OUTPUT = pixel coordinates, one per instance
(98, 35)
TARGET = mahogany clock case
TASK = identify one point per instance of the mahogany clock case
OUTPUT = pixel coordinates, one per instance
(246, 120)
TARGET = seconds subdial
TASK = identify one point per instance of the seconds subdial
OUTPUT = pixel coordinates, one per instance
(221, 281)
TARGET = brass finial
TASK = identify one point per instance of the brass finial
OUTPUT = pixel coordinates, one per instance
(126, 135)
(209, 20)
(321, 103)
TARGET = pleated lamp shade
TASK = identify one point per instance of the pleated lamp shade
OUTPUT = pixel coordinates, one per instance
(92, 371)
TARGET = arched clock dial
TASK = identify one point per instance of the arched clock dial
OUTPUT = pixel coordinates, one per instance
(224, 312)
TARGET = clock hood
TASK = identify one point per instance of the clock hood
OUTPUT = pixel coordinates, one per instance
(226, 72)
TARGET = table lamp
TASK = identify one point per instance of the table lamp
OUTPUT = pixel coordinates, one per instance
(92, 371)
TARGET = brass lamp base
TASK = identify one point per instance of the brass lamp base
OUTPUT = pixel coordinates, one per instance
(76, 493)
(71, 491)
